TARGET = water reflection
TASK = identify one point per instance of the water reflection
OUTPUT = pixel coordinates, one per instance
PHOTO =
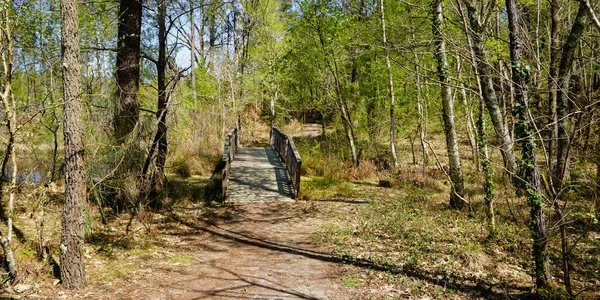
(26, 176)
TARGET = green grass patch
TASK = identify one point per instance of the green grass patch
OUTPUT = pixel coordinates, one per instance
(351, 282)
(319, 187)
(183, 259)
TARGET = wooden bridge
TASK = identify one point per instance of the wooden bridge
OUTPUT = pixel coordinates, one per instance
(251, 174)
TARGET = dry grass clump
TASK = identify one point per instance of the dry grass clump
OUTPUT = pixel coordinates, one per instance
(406, 177)
(255, 130)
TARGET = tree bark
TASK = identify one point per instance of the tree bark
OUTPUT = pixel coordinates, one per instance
(552, 81)
(597, 198)
(422, 109)
(72, 268)
(561, 169)
(391, 87)
(529, 170)
(487, 89)
(7, 44)
(488, 171)
(273, 108)
(128, 67)
(469, 115)
(456, 195)
(161, 111)
(193, 51)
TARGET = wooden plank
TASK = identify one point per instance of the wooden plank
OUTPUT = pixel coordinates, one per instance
(258, 175)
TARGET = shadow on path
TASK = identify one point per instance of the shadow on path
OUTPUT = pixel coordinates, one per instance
(472, 285)
(258, 175)
(235, 285)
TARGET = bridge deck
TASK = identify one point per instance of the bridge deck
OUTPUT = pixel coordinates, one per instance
(258, 175)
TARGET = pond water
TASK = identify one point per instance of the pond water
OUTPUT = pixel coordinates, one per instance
(26, 176)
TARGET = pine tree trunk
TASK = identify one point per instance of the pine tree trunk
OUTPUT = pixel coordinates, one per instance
(72, 268)
(128, 67)
(456, 195)
(161, 112)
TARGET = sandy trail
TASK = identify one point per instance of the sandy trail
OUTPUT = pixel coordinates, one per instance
(241, 251)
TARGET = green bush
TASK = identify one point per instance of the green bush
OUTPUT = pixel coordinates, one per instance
(182, 168)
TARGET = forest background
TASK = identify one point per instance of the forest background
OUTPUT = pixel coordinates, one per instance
(491, 104)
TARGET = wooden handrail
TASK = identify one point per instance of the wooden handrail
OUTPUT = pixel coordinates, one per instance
(285, 147)
(232, 143)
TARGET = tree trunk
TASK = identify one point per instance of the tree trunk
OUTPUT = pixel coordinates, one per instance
(469, 115)
(456, 195)
(552, 81)
(193, 51)
(128, 67)
(422, 109)
(597, 198)
(273, 109)
(9, 257)
(391, 87)
(529, 171)
(72, 268)
(348, 128)
(7, 44)
(561, 169)
(161, 111)
(487, 88)
(488, 171)
(341, 102)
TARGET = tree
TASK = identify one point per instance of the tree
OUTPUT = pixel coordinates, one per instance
(529, 170)
(457, 193)
(193, 50)
(487, 87)
(562, 96)
(7, 52)
(165, 90)
(128, 68)
(72, 269)
(391, 86)
(552, 76)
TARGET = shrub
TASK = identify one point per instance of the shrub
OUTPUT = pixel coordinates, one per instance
(181, 167)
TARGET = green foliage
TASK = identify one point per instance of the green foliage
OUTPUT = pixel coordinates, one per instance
(351, 282)
(181, 167)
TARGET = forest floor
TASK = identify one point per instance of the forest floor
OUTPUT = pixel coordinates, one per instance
(195, 251)
(392, 237)
(351, 240)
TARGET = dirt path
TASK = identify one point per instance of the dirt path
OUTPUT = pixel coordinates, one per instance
(242, 251)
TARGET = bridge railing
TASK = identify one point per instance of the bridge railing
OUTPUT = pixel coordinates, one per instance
(285, 147)
(232, 143)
